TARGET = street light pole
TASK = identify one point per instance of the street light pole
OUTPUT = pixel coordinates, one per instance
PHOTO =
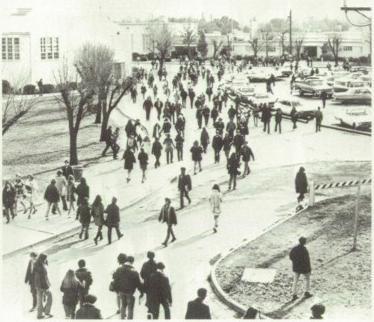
(290, 20)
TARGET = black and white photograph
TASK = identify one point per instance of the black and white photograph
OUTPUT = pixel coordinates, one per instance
(201, 159)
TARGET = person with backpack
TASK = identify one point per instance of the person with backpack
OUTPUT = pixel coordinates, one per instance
(84, 277)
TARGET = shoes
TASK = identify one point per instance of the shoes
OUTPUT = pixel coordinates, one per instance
(80, 236)
(32, 309)
(294, 297)
(95, 240)
(214, 230)
(307, 295)
(48, 316)
(25, 211)
(173, 240)
(165, 244)
(200, 170)
(120, 236)
(40, 317)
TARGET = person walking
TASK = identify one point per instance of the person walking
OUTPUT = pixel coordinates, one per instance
(217, 144)
(168, 216)
(52, 197)
(61, 187)
(184, 186)
(266, 117)
(129, 160)
(148, 268)
(294, 117)
(238, 141)
(204, 139)
(278, 121)
(179, 140)
(67, 170)
(299, 256)
(156, 151)
(196, 309)
(319, 117)
(191, 95)
(84, 216)
(196, 152)
(215, 200)
(97, 212)
(209, 92)
(112, 220)
(83, 191)
(29, 279)
(42, 286)
(166, 126)
(230, 128)
(214, 114)
(126, 281)
(108, 140)
(156, 131)
(227, 143)
(30, 190)
(219, 126)
(88, 311)
(206, 114)
(233, 165)
(169, 148)
(143, 90)
(158, 105)
(115, 146)
(9, 200)
(159, 293)
(70, 287)
(143, 162)
(323, 98)
(199, 116)
(301, 185)
(20, 194)
(84, 277)
(147, 105)
(70, 194)
(247, 155)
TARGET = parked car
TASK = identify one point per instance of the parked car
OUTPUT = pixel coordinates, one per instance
(288, 102)
(343, 84)
(285, 70)
(354, 95)
(262, 98)
(357, 119)
(313, 86)
(259, 74)
(245, 93)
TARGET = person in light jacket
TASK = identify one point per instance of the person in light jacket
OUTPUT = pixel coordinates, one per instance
(215, 200)
(97, 212)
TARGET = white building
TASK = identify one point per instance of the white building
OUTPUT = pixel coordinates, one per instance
(36, 43)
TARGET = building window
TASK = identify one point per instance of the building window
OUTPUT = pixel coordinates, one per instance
(10, 48)
(347, 48)
(49, 48)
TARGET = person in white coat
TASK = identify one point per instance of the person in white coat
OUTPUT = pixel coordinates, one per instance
(215, 200)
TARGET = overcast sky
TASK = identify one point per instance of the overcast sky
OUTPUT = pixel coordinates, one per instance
(242, 10)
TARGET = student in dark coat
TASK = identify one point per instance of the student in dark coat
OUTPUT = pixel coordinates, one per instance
(323, 98)
(219, 126)
(301, 184)
(191, 95)
(67, 170)
(52, 197)
(84, 216)
(179, 140)
(159, 293)
(29, 279)
(196, 309)
(147, 105)
(129, 158)
(238, 141)
(204, 139)
(148, 268)
(278, 121)
(233, 165)
(197, 152)
(214, 114)
(42, 285)
(319, 117)
(108, 140)
(299, 256)
(217, 144)
(158, 105)
(113, 219)
(88, 311)
(168, 216)
(227, 143)
(143, 162)
(266, 117)
(247, 155)
(70, 287)
(206, 114)
(84, 276)
(9, 200)
(82, 191)
(97, 212)
(156, 151)
(294, 117)
(184, 186)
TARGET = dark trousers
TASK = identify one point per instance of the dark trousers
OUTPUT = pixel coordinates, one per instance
(184, 193)
(169, 156)
(300, 197)
(200, 122)
(99, 233)
(84, 230)
(232, 180)
(147, 114)
(115, 148)
(69, 311)
(64, 205)
(318, 126)
(323, 103)
(191, 100)
(157, 163)
(206, 119)
(33, 294)
(7, 211)
(267, 126)
(247, 170)
(180, 154)
(155, 310)
(205, 146)
(216, 156)
(159, 114)
(280, 127)
(294, 124)
(168, 233)
(110, 233)
(107, 146)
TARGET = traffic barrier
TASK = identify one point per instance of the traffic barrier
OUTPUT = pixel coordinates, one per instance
(331, 185)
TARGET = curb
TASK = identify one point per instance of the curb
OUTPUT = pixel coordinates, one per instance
(332, 127)
(219, 292)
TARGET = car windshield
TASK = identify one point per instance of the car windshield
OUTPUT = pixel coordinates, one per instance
(316, 82)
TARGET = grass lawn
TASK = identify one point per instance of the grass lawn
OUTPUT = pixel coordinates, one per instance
(39, 142)
(340, 279)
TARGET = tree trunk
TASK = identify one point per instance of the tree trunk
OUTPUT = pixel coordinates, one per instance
(104, 126)
(73, 147)
(98, 112)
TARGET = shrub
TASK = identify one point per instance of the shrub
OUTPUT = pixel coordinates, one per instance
(29, 89)
(73, 85)
(48, 88)
(6, 88)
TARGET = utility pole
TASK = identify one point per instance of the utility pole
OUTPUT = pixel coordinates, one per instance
(290, 19)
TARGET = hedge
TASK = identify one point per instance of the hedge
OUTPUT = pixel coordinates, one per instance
(29, 89)
(6, 88)
(48, 88)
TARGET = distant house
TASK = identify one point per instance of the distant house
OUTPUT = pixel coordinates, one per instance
(35, 43)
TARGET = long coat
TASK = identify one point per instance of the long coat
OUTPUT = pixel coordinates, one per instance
(51, 194)
(233, 165)
(41, 277)
(156, 148)
(129, 158)
(159, 290)
(97, 212)
(196, 153)
(299, 256)
(112, 220)
(9, 197)
(168, 215)
(196, 310)
(83, 191)
(217, 143)
(84, 214)
(301, 183)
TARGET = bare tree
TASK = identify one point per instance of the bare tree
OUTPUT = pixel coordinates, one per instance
(76, 104)
(202, 45)
(298, 43)
(282, 37)
(94, 63)
(256, 46)
(163, 39)
(216, 47)
(189, 38)
(334, 42)
(14, 107)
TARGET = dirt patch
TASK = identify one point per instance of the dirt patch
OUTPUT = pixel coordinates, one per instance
(340, 278)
